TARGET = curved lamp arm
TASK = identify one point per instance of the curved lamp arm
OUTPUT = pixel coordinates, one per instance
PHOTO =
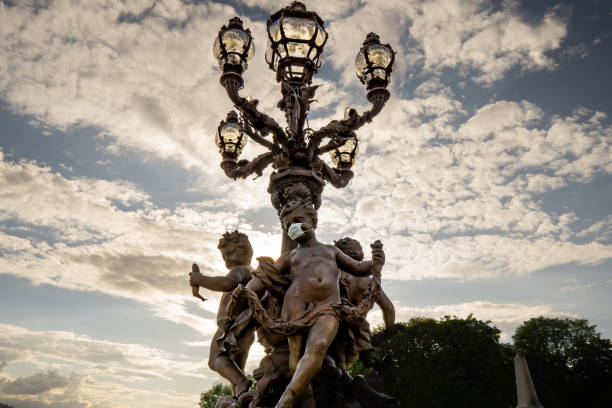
(377, 97)
(257, 138)
(336, 141)
(244, 168)
(336, 177)
(233, 82)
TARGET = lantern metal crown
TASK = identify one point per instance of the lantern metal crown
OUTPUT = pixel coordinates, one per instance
(295, 42)
(296, 38)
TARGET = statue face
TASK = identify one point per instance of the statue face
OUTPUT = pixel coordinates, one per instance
(236, 253)
(350, 247)
(300, 216)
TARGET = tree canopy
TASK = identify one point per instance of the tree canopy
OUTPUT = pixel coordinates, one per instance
(209, 398)
(458, 363)
(448, 363)
(570, 364)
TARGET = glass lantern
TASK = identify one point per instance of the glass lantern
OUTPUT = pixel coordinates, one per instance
(344, 155)
(230, 138)
(234, 46)
(375, 62)
(295, 41)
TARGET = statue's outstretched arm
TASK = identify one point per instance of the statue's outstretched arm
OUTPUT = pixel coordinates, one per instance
(225, 283)
(348, 264)
(387, 308)
(364, 268)
(256, 285)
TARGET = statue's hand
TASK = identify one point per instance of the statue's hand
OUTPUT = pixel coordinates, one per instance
(378, 255)
(233, 301)
(237, 292)
(195, 275)
(195, 291)
(193, 282)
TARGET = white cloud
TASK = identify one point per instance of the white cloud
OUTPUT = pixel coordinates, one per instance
(78, 237)
(45, 389)
(92, 393)
(458, 189)
(325, 9)
(498, 117)
(601, 230)
(475, 35)
(82, 210)
(506, 317)
(12, 243)
(141, 74)
(105, 356)
(458, 195)
(483, 256)
(481, 39)
(99, 367)
(142, 83)
(91, 243)
(39, 383)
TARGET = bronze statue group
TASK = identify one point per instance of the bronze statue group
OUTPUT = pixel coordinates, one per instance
(308, 308)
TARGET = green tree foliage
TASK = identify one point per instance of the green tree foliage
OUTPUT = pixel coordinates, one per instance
(209, 398)
(356, 368)
(460, 363)
(570, 364)
(448, 363)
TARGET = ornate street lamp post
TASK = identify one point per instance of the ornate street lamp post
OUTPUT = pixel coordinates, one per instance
(296, 299)
(296, 38)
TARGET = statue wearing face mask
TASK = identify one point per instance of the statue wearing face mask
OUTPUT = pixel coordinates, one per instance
(295, 230)
(309, 276)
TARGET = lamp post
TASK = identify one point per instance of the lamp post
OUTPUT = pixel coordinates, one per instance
(296, 38)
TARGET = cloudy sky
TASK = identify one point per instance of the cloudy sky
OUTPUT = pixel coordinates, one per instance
(487, 177)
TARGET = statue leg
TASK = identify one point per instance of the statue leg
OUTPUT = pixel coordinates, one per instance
(320, 337)
(296, 344)
(340, 356)
(240, 360)
(227, 368)
(244, 345)
(307, 399)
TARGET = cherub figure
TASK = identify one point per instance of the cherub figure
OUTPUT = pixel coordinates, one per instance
(355, 290)
(311, 303)
(229, 361)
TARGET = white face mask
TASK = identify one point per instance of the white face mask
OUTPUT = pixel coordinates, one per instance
(295, 230)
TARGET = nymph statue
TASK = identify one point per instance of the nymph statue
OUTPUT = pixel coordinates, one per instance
(354, 291)
(228, 356)
(312, 308)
